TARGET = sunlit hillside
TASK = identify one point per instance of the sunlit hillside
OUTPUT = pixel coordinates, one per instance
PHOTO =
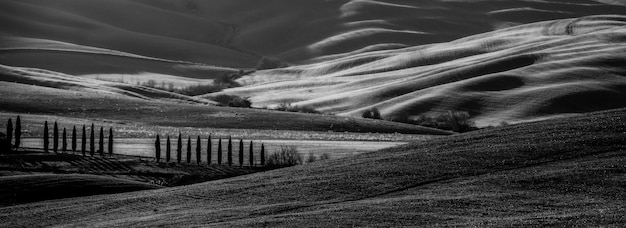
(515, 74)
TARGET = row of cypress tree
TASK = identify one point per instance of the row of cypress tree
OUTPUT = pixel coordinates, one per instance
(209, 152)
(14, 132)
(74, 141)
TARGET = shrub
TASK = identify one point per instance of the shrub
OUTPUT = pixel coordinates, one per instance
(324, 156)
(286, 156)
(233, 101)
(267, 62)
(372, 113)
(311, 158)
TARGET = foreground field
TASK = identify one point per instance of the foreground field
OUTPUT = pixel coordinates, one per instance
(561, 172)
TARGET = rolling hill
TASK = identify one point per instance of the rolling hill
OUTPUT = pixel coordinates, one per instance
(500, 60)
(521, 73)
(560, 172)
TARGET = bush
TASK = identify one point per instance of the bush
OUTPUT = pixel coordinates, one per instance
(267, 62)
(196, 90)
(372, 113)
(233, 101)
(286, 156)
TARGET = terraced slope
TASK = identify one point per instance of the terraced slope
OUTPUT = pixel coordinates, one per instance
(561, 172)
(521, 73)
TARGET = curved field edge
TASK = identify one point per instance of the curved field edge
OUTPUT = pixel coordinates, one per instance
(414, 184)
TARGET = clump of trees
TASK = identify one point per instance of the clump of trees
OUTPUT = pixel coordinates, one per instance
(284, 157)
(287, 107)
(268, 62)
(372, 113)
(457, 121)
(232, 101)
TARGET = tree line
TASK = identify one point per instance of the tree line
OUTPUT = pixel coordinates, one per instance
(209, 151)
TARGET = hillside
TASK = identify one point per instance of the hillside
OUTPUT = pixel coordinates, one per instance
(39, 187)
(56, 96)
(561, 172)
(522, 73)
(236, 33)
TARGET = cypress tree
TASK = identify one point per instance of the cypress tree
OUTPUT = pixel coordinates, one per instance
(10, 132)
(208, 151)
(168, 148)
(92, 141)
(83, 144)
(74, 139)
(262, 154)
(198, 151)
(230, 151)
(18, 132)
(251, 154)
(55, 139)
(219, 152)
(157, 146)
(179, 148)
(64, 144)
(188, 149)
(46, 141)
(111, 142)
(240, 152)
(101, 145)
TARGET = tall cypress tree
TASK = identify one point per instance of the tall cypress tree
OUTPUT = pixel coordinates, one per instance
(251, 158)
(179, 148)
(18, 132)
(240, 152)
(157, 147)
(55, 139)
(10, 132)
(110, 142)
(92, 141)
(168, 148)
(74, 139)
(219, 152)
(208, 151)
(83, 144)
(101, 145)
(262, 154)
(198, 151)
(64, 144)
(46, 141)
(230, 151)
(188, 149)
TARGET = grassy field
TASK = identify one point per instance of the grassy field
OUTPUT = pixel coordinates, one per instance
(560, 172)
